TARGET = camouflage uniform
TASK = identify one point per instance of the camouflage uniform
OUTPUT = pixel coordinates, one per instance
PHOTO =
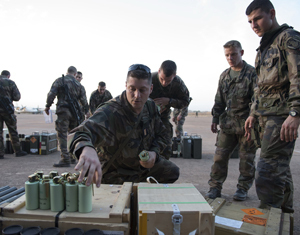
(109, 127)
(278, 92)
(179, 124)
(96, 99)
(179, 94)
(231, 109)
(11, 91)
(65, 119)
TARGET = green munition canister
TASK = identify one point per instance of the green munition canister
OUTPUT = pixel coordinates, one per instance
(144, 156)
(57, 202)
(71, 195)
(52, 174)
(85, 195)
(45, 193)
(32, 192)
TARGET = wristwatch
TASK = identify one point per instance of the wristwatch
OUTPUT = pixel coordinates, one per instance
(293, 113)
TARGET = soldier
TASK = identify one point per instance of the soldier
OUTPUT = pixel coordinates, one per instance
(276, 104)
(179, 119)
(67, 117)
(230, 110)
(168, 91)
(99, 96)
(79, 76)
(8, 93)
(119, 131)
(79, 79)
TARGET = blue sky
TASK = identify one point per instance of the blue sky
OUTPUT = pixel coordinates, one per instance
(40, 39)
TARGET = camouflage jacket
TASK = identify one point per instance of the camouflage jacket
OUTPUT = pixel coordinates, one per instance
(76, 90)
(176, 90)
(96, 99)
(278, 73)
(9, 89)
(183, 112)
(233, 96)
(110, 126)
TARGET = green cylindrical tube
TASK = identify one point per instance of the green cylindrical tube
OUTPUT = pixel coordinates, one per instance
(57, 202)
(32, 195)
(71, 195)
(85, 196)
(144, 156)
(45, 193)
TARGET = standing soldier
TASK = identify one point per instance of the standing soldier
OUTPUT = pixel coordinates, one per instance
(8, 93)
(79, 79)
(230, 110)
(168, 91)
(276, 104)
(68, 91)
(179, 119)
(99, 96)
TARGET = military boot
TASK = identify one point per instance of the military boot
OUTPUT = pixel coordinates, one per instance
(213, 193)
(20, 153)
(240, 195)
(64, 162)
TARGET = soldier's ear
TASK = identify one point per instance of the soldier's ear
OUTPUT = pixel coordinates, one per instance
(242, 52)
(151, 88)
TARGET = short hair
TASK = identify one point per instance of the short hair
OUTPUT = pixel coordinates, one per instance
(264, 5)
(233, 43)
(168, 67)
(140, 71)
(72, 70)
(78, 72)
(5, 73)
(102, 84)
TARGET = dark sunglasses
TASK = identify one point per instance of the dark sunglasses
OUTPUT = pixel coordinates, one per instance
(139, 67)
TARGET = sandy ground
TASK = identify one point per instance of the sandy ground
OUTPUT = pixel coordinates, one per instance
(14, 171)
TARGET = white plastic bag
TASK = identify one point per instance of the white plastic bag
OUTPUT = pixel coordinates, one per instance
(48, 118)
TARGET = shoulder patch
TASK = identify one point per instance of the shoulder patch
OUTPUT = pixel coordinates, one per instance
(293, 43)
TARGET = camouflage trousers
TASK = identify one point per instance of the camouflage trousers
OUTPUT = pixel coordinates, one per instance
(226, 143)
(167, 153)
(274, 184)
(179, 125)
(164, 171)
(63, 124)
(13, 133)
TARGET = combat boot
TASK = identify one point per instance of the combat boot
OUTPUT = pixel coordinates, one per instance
(64, 162)
(73, 160)
(213, 193)
(20, 153)
(240, 195)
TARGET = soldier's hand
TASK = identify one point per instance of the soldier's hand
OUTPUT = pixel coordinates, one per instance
(173, 119)
(87, 115)
(150, 163)
(89, 162)
(179, 117)
(47, 110)
(249, 124)
(162, 101)
(289, 129)
(214, 127)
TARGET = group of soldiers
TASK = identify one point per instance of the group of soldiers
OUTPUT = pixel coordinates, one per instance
(255, 107)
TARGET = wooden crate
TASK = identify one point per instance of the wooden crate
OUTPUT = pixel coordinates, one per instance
(156, 203)
(229, 219)
(111, 212)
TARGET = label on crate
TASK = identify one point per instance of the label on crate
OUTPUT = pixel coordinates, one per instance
(252, 211)
(255, 220)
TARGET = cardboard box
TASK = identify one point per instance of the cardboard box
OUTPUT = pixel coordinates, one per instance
(233, 218)
(165, 207)
(111, 212)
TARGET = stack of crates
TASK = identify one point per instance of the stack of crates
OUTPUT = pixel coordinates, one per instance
(48, 143)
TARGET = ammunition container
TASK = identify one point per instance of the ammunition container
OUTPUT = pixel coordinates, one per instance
(196, 147)
(48, 143)
(73, 231)
(34, 143)
(94, 232)
(32, 192)
(8, 149)
(186, 149)
(12, 230)
(50, 231)
(85, 195)
(57, 202)
(45, 193)
(31, 231)
(71, 195)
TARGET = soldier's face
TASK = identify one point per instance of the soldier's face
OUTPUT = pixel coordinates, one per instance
(163, 79)
(101, 89)
(234, 56)
(137, 93)
(78, 77)
(261, 22)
